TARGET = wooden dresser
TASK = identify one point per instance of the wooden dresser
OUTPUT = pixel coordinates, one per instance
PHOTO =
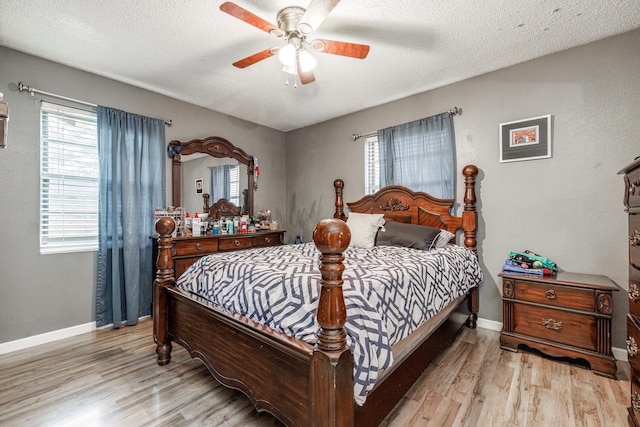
(632, 203)
(187, 250)
(563, 315)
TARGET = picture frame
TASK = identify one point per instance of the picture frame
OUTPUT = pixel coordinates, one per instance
(526, 139)
(199, 186)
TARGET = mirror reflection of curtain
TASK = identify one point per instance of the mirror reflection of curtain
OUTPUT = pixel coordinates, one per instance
(132, 183)
(419, 155)
(220, 182)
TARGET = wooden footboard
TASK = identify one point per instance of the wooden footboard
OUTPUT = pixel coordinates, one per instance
(300, 384)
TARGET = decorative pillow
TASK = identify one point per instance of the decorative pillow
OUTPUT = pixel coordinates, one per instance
(407, 235)
(363, 229)
(443, 239)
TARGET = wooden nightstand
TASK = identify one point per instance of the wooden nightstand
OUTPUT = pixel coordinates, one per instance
(564, 315)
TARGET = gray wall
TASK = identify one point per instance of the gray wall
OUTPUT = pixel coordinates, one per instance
(42, 293)
(568, 208)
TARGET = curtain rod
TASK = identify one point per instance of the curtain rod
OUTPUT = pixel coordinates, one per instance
(33, 91)
(356, 136)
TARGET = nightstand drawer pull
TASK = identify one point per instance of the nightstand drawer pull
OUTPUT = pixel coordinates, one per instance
(634, 239)
(552, 324)
(635, 401)
(551, 294)
(632, 347)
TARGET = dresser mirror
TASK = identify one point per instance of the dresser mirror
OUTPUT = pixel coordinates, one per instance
(192, 163)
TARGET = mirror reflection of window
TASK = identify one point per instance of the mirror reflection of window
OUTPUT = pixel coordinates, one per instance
(225, 183)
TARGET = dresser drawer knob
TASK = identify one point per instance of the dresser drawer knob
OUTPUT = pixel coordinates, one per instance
(635, 401)
(268, 240)
(634, 292)
(632, 347)
(551, 294)
(237, 243)
(552, 324)
(198, 246)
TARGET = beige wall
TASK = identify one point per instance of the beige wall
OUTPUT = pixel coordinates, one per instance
(42, 293)
(568, 208)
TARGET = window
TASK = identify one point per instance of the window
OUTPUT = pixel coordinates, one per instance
(371, 165)
(69, 173)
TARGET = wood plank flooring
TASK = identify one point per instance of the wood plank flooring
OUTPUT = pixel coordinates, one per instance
(110, 378)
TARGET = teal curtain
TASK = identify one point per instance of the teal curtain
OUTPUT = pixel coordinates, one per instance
(419, 155)
(131, 186)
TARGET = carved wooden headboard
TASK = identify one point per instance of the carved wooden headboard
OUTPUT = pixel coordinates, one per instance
(401, 204)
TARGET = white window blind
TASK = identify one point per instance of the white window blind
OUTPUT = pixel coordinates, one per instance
(371, 165)
(234, 183)
(69, 172)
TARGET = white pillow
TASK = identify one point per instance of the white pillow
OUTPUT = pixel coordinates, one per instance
(363, 229)
(443, 239)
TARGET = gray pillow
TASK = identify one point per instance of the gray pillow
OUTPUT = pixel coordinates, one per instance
(407, 235)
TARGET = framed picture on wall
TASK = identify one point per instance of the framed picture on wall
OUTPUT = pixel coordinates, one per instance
(198, 186)
(526, 139)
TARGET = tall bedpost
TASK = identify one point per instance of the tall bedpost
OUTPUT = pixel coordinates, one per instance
(332, 361)
(338, 184)
(470, 228)
(164, 276)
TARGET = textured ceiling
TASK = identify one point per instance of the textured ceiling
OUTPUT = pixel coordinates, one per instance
(184, 49)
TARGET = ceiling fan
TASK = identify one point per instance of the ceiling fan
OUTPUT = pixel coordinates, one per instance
(295, 24)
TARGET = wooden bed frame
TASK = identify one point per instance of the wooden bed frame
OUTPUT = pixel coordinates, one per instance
(299, 383)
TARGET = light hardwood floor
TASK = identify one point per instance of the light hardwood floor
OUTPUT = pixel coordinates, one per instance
(110, 378)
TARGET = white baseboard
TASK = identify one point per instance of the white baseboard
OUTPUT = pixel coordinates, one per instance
(8, 347)
(619, 353)
(47, 337)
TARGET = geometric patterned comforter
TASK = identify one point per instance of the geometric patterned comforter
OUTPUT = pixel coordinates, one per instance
(389, 292)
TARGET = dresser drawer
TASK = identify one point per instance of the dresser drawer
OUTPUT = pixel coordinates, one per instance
(632, 186)
(267, 240)
(634, 240)
(199, 246)
(633, 343)
(634, 291)
(563, 327)
(554, 295)
(234, 243)
(180, 265)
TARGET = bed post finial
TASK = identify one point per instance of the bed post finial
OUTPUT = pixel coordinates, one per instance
(469, 215)
(332, 237)
(338, 184)
(164, 276)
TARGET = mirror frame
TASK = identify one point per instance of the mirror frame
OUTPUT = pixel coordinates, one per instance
(214, 146)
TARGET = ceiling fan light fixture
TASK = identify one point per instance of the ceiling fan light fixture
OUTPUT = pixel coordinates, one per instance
(290, 69)
(287, 55)
(307, 61)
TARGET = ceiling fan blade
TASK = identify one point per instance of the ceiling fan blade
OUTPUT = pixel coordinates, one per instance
(352, 50)
(315, 15)
(250, 60)
(248, 17)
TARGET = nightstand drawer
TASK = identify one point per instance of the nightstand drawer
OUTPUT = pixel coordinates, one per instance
(555, 295)
(574, 329)
(633, 343)
(233, 244)
(199, 246)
